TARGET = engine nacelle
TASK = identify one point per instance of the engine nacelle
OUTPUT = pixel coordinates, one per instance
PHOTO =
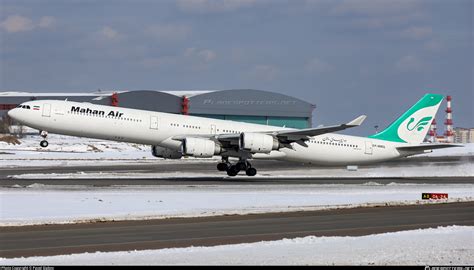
(163, 152)
(197, 147)
(258, 143)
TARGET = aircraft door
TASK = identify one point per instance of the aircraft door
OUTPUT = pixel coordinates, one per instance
(368, 148)
(46, 110)
(153, 122)
(213, 129)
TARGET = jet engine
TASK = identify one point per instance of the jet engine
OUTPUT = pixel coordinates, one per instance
(198, 147)
(163, 152)
(258, 143)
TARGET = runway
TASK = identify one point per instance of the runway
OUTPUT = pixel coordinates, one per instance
(168, 233)
(213, 177)
(221, 180)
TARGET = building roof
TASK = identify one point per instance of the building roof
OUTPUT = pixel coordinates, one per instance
(249, 102)
(30, 94)
(179, 93)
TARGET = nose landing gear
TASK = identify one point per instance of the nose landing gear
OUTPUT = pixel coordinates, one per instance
(44, 143)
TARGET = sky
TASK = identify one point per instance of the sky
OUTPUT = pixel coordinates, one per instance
(348, 57)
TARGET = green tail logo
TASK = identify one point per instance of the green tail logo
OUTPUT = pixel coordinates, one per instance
(420, 125)
(412, 126)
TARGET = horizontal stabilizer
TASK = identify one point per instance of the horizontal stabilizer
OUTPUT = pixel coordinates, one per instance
(430, 146)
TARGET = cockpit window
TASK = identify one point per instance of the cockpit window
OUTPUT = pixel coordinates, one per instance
(24, 107)
(28, 107)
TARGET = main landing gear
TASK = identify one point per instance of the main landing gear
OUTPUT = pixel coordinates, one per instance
(44, 142)
(234, 169)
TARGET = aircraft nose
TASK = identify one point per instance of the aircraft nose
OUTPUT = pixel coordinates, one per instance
(13, 113)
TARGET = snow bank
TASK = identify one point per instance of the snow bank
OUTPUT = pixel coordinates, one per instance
(441, 246)
(40, 204)
(67, 147)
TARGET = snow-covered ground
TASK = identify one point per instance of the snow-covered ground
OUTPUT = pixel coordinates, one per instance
(39, 204)
(66, 147)
(437, 246)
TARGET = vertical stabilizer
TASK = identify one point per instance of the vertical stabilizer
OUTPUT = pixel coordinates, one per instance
(413, 125)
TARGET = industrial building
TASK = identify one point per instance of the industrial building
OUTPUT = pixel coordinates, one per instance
(464, 135)
(451, 135)
(244, 105)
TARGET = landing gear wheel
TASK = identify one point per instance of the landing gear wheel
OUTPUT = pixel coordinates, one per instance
(251, 171)
(223, 166)
(241, 165)
(44, 143)
(232, 171)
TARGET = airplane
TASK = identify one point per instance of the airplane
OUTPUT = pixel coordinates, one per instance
(173, 136)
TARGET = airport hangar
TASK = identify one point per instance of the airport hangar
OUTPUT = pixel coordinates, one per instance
(244, 105)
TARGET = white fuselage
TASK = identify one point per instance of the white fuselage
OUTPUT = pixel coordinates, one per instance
(155, 128)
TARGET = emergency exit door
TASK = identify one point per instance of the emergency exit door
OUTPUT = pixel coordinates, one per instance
(46, 110)
(368, 148)
(153, 122)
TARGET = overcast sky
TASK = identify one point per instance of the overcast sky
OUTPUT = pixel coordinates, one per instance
(347, 57)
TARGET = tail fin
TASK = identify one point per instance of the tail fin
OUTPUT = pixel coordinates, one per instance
(413, 125)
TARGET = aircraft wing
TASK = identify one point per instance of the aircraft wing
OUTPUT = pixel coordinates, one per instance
(285, 136)
(304, 134)
(422, 147)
